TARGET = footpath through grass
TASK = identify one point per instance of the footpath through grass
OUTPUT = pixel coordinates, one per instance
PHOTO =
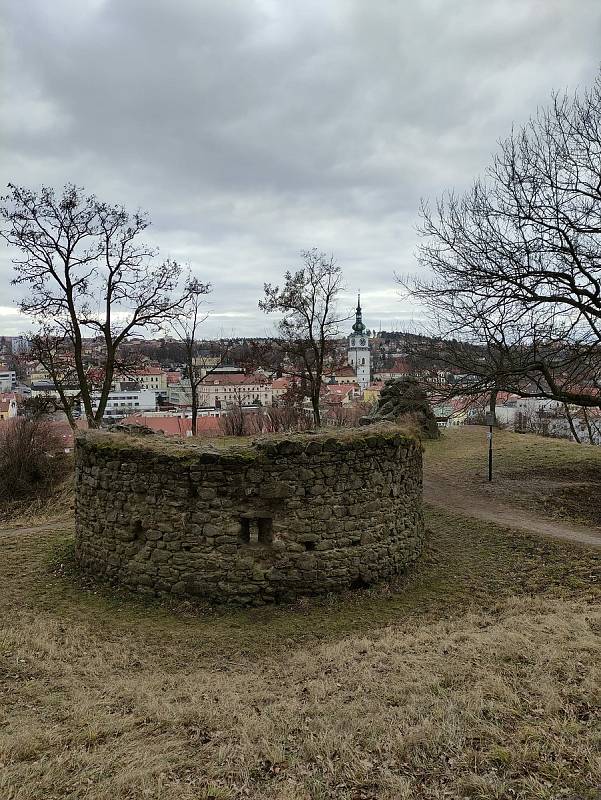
(475, 675)
(556, 478)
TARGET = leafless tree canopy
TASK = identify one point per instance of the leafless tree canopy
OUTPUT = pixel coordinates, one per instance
(85, 272)
(187, 328)
(516, 261)
(307, 303)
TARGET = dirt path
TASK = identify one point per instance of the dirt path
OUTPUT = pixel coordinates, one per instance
(451, 497)
(24, 530)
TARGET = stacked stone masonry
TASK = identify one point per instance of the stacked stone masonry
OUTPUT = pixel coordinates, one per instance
(251, 522)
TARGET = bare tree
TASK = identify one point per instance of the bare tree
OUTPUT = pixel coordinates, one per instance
(516, 261)
(187, 329)
(307, 301)
(86, 273)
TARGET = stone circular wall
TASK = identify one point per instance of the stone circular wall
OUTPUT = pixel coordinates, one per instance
(252, 522)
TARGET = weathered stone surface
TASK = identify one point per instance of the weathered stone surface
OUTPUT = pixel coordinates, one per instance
(402, 397)
(275, 519)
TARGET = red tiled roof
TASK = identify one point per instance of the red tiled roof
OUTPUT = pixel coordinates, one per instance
(176, 426)
(174, 377)
(281, 383)
(344, 372)
(146, 371)
(335, 392)
(400, 367)
(341, 388)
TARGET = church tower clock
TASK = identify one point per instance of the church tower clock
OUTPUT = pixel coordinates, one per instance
(359, 356)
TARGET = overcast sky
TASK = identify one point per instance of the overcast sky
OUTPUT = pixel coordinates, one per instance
(252, 129)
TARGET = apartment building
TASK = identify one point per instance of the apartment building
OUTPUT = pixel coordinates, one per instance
(152, 378)
(123, 402)
(8, 380)
(223, 390)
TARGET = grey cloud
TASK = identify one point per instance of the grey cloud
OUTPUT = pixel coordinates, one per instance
(254, 128)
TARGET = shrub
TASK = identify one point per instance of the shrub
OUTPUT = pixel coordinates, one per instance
(31, 459)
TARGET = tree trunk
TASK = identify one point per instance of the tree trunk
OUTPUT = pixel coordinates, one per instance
(591, 438)
(95, 420)
(194, 408)
(316, 410)
(492, 405)
(67, 407)
(571, 423)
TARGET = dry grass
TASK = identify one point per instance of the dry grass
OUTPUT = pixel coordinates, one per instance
(559, 479)
(486, 706)
(42, 510)
(477, 675)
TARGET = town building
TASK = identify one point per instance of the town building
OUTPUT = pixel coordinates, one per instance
(38, 373)
(372, 393)
(341, 394)
(8, 406)
(152, 378)
(341, 375)
(48, 389)
(180, 393)
(120, 403)
(8, 380)
(226, 390)
(20, 345)
(399, 369)
(359, 356)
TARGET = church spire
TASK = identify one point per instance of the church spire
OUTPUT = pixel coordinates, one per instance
(358, 327)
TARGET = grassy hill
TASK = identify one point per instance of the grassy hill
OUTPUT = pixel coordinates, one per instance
(476, 675)
(560, 479)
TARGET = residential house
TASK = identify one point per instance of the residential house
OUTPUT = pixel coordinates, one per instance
(341, 394)
(372, 393)
(280, 386)
(38, 374)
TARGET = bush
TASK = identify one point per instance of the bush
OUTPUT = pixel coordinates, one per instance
(31, 459)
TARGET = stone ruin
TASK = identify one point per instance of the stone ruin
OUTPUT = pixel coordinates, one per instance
(250, 522)
(404, 400)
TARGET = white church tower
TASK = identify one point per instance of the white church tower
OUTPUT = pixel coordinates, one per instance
(359, 356)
